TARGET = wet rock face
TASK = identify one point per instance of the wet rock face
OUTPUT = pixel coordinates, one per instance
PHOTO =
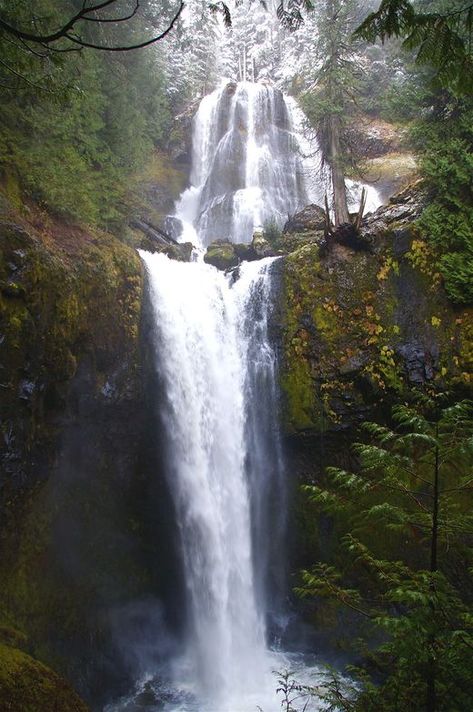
(360, 331)
(73, 452)
(52, 313)
(173, 226)
(361, 328)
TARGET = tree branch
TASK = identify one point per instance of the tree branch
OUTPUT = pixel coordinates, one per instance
(127, 48)
(115, 19)
(66, 31)
(59, 34)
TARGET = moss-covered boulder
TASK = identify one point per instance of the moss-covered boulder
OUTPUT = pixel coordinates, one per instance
(27, 685)
(222, 255)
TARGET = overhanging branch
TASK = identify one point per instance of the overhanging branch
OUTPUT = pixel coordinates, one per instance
(89, 14)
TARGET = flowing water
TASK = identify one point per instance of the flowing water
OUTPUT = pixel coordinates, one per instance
(203, 349)
(246, 165)
(216, 361)
(224, 459)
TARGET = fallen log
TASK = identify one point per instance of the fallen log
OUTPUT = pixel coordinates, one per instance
(153, 232)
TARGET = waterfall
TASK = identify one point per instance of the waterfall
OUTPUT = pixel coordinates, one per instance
(217, 369)
(223, 456)
(246, 165)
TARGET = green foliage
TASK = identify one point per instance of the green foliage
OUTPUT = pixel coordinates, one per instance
(415, 483)
(444, 137)
(77, 126)
(271, 231)
(292, 693)
(443, 129)
(336, 81)
(442, 38)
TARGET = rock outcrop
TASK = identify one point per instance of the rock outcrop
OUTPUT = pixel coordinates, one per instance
(311, 218)
(361, 330)
(363, 327)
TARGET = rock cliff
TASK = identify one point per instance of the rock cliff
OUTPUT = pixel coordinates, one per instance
(73, 425)
(362, 329)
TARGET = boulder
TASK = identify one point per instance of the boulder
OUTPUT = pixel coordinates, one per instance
(312, 217)
(245, 252)
(261, 246)
(222, 255)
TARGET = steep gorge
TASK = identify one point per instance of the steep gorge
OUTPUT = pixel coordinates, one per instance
(87, 527)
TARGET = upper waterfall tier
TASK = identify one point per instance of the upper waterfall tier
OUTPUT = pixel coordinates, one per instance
(246, 164)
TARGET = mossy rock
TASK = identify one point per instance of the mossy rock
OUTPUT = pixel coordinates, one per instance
(362, 329)
(222, 255)
(27, 685)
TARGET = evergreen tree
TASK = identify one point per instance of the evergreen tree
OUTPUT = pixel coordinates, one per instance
(332, 99)
(408, 520)
(441, 111)
(440, 31)
(443, 137)
(76, 127)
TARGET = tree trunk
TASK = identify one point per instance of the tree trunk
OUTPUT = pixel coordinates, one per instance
(432, 672)
(340, 205)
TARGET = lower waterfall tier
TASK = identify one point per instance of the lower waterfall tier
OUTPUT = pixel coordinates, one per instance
(215, 362)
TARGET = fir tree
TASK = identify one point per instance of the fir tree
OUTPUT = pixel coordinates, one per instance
(332, 98)
(409, 528)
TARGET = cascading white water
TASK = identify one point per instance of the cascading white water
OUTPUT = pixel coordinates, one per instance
(213, 349)
(217, 365)
(246, 165)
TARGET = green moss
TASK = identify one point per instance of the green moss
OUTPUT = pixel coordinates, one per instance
(27, 685)
(299, 392)
(84, 306)
(11, 188)
(221, 255)
(325, 321)
(348, 319)
(462, 338)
